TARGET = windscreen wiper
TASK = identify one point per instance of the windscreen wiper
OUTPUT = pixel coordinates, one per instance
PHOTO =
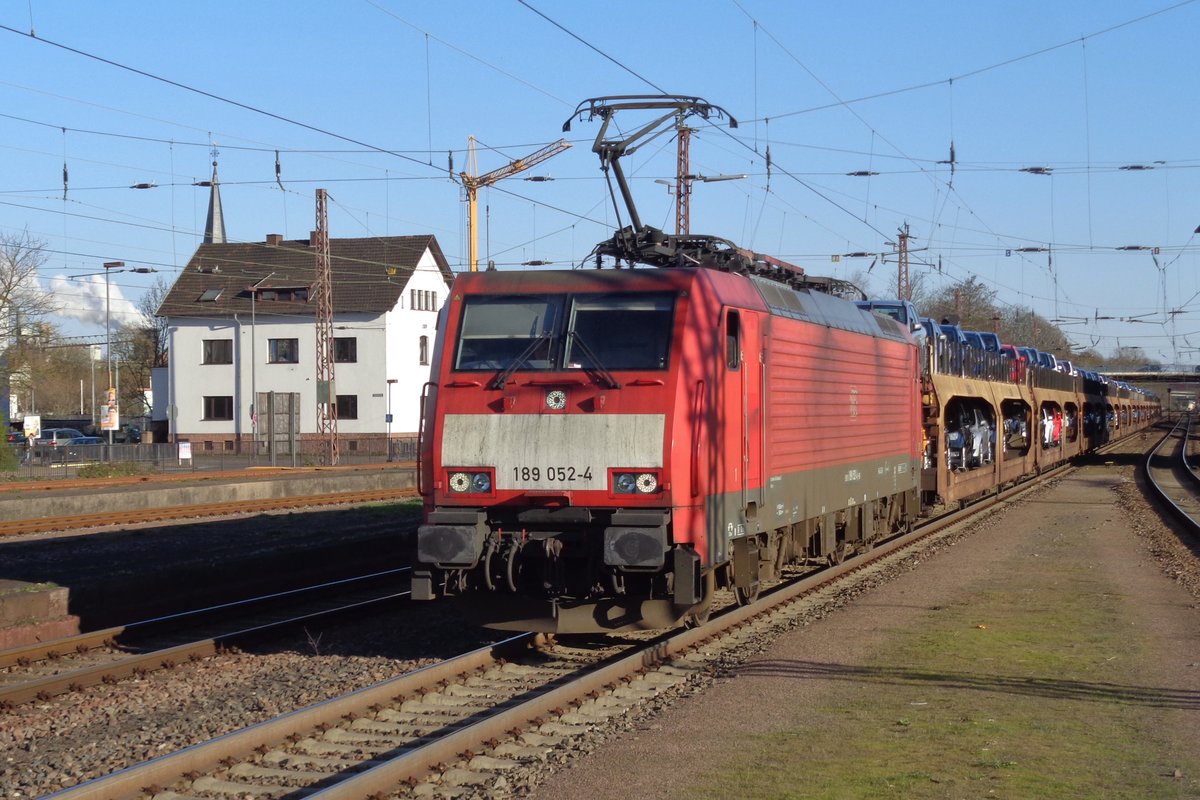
(596, 365)
(518, 362)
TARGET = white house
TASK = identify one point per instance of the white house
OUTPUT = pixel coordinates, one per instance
(241, 322)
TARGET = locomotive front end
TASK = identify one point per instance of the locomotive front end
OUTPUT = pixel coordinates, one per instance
(549, 502)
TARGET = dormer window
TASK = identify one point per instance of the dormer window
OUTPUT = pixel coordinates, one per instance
(294, 294)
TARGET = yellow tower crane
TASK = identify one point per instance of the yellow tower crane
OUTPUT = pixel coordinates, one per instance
(473, 183)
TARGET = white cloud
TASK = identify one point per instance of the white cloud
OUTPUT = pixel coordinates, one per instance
(84, 300)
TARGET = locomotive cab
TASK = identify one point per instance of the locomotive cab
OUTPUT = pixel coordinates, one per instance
(550, 478)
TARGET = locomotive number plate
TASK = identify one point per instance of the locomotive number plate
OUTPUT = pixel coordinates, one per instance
(551, 474)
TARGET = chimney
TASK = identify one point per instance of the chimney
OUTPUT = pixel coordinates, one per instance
(274, 239)
(312, 238)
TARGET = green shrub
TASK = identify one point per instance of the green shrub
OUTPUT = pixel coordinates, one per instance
(10, 457)
(121, 469)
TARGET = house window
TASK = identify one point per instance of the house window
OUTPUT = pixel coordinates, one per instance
(422, 300)
(347, 406)
(218, 351)
(424, 350)
(210, 295)
(345, 349)
(218, 407)
(285, 351)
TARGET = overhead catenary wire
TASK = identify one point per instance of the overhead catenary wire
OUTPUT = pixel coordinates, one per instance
(869, 208)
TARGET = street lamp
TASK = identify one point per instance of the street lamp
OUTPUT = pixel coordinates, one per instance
(390, 383)
(112, 395)
(253, 289)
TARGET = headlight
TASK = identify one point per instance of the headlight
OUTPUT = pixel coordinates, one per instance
(464, 482)
(624, 482)
(634, 482)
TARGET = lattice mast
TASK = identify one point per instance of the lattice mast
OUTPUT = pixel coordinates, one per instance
(903, 286)
(323, 289)
(683, 179)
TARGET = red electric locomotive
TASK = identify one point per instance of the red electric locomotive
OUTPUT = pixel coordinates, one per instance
(601, 449)
(604, 441)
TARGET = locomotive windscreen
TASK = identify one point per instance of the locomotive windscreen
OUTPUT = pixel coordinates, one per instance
(610, 331)
(496, 330)
(621, 331)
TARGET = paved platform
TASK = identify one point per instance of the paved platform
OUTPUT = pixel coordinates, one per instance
(67, 498)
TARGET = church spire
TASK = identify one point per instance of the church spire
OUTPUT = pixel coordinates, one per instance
(214, 228)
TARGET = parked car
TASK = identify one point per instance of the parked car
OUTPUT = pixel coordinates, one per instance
(991, 341)
(17, 438)
(902, 311)
(1020, 361)
(59, 437)
(1047, 361)
(127, 434)
(953, 333)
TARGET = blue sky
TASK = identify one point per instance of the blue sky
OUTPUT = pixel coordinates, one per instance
(366, 97)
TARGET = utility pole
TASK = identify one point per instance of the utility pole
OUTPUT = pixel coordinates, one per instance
(683, 179)
(326, 394)
(903, 286)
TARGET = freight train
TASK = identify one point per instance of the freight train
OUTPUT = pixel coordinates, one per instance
(603, 449)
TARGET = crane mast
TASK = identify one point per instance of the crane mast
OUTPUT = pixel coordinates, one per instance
(473, 183)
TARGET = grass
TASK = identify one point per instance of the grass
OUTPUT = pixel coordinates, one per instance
(119, 469)
(1026, 689)
(29, 587)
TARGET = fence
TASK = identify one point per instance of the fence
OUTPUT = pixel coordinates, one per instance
(42, 462)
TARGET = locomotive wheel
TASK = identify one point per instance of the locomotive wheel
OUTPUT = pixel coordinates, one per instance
(702, 611)
(747, 596)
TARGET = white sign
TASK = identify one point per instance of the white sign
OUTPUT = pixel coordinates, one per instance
(185, 451)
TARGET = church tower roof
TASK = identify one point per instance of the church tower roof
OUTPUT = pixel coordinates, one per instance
(214, 227)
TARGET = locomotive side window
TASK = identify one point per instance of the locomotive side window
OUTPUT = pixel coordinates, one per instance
(498, 330)
(733, 340)
(631, 331)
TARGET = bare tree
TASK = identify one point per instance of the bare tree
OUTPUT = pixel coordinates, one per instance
(22, 299)
(157, 332)
(142, 349)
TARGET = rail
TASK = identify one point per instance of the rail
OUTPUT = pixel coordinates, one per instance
(473, 710)
(225, 623)
(1173, 481)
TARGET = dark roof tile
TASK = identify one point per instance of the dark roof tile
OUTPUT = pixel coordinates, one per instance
(368, 275)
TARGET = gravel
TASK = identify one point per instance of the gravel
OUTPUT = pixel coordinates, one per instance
(84, 735)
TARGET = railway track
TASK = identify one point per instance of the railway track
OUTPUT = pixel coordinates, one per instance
(1172, 478)
(169, 513)
(462, 724)
(44, 670)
